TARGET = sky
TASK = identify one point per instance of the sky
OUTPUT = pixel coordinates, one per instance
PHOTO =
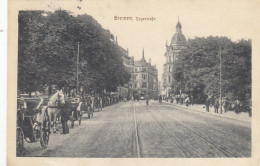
(200, 18)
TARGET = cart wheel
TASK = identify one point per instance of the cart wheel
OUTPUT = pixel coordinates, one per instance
(45, 138)
(72, 123)
(19, 142)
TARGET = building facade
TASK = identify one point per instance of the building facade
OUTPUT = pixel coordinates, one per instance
(125, 90)
(178, 42)
(144, 79)
(144, 76)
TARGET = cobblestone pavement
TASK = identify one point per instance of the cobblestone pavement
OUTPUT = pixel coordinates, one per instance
(132, 129)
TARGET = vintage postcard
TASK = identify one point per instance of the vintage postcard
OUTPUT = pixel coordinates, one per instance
(121, 82)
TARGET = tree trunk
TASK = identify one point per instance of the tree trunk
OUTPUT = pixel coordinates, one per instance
(49, 90)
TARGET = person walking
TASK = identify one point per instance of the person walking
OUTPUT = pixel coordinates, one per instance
(98, 103)
(187, 100)
(216, 105)
(160, 99)
(192, 100)
(147, 100)
(207, 103)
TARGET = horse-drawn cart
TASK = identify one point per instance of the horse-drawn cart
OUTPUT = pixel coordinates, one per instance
(75, 109)
(78, 107)
(32, 123)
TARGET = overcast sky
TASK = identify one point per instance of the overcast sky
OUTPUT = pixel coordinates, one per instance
(198, 18)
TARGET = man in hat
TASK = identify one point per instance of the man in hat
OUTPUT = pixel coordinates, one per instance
(207, 103)
(64, 111)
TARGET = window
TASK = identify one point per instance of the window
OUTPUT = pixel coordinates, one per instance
(135, 77)
(135, 86)
(136, 69)
(143, 69)
(144, 85)
(144, 76)
(169, 79)
(169, 69)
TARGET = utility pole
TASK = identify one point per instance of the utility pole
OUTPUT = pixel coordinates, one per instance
(220, 77)
(78, 70)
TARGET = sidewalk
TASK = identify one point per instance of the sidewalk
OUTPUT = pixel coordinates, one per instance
(243, 116)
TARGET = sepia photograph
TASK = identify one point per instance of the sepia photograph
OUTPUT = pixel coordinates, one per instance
(129, 79)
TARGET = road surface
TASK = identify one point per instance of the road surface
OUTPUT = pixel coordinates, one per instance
(132, 130)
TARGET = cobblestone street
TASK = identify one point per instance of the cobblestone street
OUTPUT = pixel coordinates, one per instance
(131, 130)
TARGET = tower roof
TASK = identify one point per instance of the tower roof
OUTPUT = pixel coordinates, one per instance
(178, 38)
(178, 25)
(143, 59)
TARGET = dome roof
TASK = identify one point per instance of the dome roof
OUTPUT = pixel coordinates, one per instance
(178, 38)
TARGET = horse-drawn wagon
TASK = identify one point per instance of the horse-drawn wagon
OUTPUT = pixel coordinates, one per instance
(75, 105)
(32, 123)
(78, 107)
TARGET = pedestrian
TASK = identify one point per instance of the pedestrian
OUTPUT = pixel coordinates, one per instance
(101, 102)
(216, 105)
(226, 104)
(160, 99)
(187, 100)
(207, 103)
(147, 100)
(65, 113)
(192, 100)
(98, 103)
(181, 100)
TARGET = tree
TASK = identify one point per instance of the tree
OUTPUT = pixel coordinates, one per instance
(199, 68)
(48, 47)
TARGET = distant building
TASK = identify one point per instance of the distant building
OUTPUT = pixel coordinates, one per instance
(128, 62)
(172, 53)
(145, 78)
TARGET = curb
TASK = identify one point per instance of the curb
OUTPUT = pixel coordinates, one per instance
(218, 115)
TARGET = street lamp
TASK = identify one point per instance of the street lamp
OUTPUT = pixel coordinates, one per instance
(78, 70)
(220, 78)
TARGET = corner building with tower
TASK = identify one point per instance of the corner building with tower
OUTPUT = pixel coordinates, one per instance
(178, 43)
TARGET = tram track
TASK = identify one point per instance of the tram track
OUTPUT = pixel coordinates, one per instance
(137, 135)
(187, 152)
(215, 131)
(210, 127)
(226, 153)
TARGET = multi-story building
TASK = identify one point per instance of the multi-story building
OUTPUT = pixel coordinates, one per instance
(128, 62)
(145, 78)
(172, 53)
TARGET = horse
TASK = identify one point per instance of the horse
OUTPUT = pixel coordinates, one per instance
(54, 108)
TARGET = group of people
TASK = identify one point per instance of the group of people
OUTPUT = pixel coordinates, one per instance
(220, 106)
(188, 100)
(224, 105)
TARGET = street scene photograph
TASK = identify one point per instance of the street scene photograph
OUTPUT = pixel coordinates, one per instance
(95, 80)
